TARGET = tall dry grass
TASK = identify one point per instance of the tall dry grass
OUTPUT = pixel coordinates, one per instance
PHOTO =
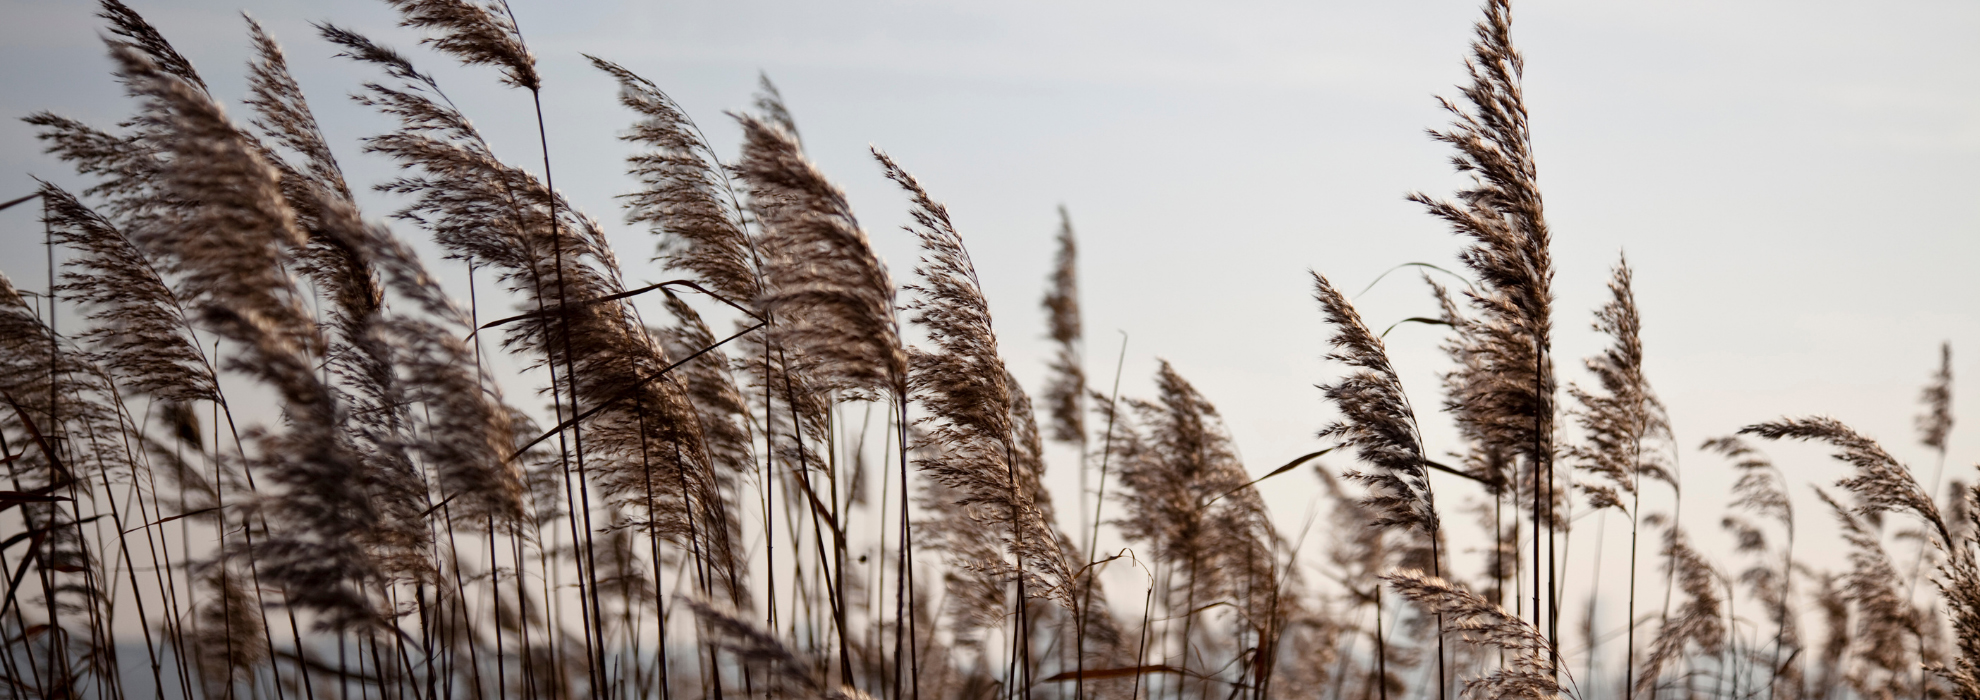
(249, 430)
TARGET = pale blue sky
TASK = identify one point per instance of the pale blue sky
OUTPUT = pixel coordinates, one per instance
(1793, 181)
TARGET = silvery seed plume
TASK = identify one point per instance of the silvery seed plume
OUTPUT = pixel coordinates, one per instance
(46, 378)
(1376, 418)
(753, 645)
(725, 425)
(684, 194)
(466, 433)
(1959, 587)
(476, 206)
(770, 103)
(830, 295)
(127, 166)
(361, 355)
(971, 402)
(228, 641)
(1485, 456)
(138, 329)
(1510, 401)
(1618, 421)
(1937, 420)
(1068, 383)
(1103, 636)
(1175, 457)
(133, 31)
(476, 33)
(1698, 622)
(1881, 484)
(722, 423)
(1836, 640)
(649, 457)
(975, 546)
(225, 242)
(227, 254)
(1762, 491)
(1761, 488)
(1529, 671)
(1885, 623)
(283, 117)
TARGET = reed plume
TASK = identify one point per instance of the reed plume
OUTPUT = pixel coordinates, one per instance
(685, 195)
(1529, 671)
(1881, 484)
(139, 330)
(754, 645)
(1935, 424)
(1698, 622)
(1508, 403)
(1620, 427)
(1884, 620)
(476, 33)
(831, 295)
(1377, 420)
(1761, 491)
(1068, 384)
(228, 255)
(974, 414)
(1175, 458)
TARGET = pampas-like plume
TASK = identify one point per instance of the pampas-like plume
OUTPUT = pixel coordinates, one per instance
(1698, 622)
(684, 193)
(1504, 394)
(1376, 418)
(972, 443)
(227, 254)
(1068, 384)
(1937, 420)
(1880, 485)
(1884, 620)
(138, 34)
(1762, 491)
(467, 431)
(1175, 459)
(140, 331)
(477, 34)
(754, 645)
(488, 211)
(1529, 670)
(832, 299)
(228, 642)
(225, 237)
(1626, 414)
(1511, 400)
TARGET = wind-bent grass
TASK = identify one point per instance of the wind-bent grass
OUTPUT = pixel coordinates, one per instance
(697, 519)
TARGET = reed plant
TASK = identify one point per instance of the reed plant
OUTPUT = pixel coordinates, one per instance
(247, 427)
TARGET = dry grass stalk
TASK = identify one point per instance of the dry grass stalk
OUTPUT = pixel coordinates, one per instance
(1881, 484)
(1508, 401)
(1698, 622)
(1885, 622)
(1377, 420)
(1761, 491)
(1529, 671)
(753, 645)
(972, 406)
(831, 296)
(685, 195)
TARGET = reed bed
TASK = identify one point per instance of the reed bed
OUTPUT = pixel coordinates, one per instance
(277, 458)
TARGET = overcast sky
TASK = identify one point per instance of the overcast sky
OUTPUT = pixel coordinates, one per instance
(1793, 181)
